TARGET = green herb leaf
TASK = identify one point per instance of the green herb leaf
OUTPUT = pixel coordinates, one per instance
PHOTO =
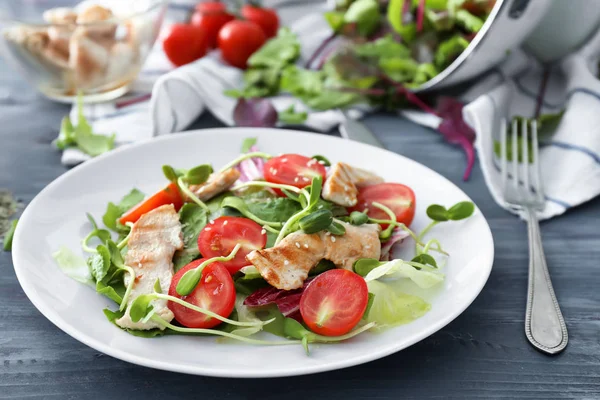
(358, 218)
(316, 221)
(383, 47)
(424, 73)
(281, 50)
(247, 144)
(437, 213)
(336, 229)
(315, 190)
(8, 237)
(365, 13)
(93, 144)
(365, 265)
(109, 292)
(468, 21)
(322, 160)
(140, 307)
(157, 288)
(193, 219)
(114, 212)
(112, 316)
(275, 210)
(170, 173)
(461, 210)
(199, 174)
(399, 69)
(290, 116)
(425, 259)
(448, 50)
(66, 136)
(322, 266)
(115, 254)
(301, 82)
(335, 19)
(295, 329)
(100, 263)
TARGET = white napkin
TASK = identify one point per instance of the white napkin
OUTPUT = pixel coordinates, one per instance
(570, 159)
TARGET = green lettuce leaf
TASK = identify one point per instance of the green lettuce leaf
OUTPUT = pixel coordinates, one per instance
(245, 315)
(399, 69)
(383, 47)
(468, 21)
(400, 269)
(291, 116)
(115, 211)
(365, 13)
(448, 50)
(282, 50)
(390, 308)
(73, 266)
(113, 316)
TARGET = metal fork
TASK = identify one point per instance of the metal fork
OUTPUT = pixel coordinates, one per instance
(522, 187)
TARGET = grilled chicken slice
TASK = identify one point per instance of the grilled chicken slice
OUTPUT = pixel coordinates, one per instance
(216, 184)
(154, 239)
(286, 265)
(341, 186)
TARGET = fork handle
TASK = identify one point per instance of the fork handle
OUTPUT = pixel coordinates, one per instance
(544, 324)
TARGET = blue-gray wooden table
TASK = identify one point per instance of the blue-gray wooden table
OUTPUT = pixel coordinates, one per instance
(482, 354)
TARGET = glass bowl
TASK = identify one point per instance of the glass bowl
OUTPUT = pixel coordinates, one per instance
(94, 48)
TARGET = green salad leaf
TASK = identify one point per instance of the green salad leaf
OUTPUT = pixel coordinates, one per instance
(115, 211)
(382, 48)
(193, 219)
(291, 116)
(113, 316)
(365, 13)
(391, 308)
(468, 21)
(277, 52)
(448, 50)
(425, 279)
(8, 236)
(279, 209)
(73, 266)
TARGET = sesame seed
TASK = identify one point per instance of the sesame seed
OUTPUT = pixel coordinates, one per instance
(296, 179)
(286, 262)
(320, 206)
(333, 239)
(274, 171)
(346, 188)
(321, 162)
(225, 222)
(311, 162)
(305, 179)
(284, 160)
(368, 246)
(263, 232)
(212, 222)
(297, 245)
(210, 278)
(305, 246)
(207, 228)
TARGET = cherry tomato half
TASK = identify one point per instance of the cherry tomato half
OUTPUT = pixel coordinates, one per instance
(215, 292)
(399, 198)
(238, 40)
(184, 43)
(293, 169)
(210, 19)
(220, 237)
(334, 302)
(168, 195)
(266, 18)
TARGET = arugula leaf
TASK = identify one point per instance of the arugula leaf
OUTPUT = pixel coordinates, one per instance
(365, 13)
(281, 50)
(73, 266)
(290, 116)
(468, 21)
(94, 144)
(329, 99)
(193, 219)
(448, 50)
(114, 211)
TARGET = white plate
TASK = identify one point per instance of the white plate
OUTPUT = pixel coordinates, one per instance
(57, 217)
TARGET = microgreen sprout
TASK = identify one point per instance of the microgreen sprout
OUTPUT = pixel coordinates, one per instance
(194, 176)
(242, 207)
(101, 234)
(190, 279)
(387, 232)
(438, 213)
(256, 154)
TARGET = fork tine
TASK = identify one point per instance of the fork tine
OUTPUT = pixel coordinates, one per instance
(515, 158)
(503, 156)
(525, 160)
(537, 172)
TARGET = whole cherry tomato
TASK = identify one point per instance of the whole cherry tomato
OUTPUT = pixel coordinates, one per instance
(266, 18)
(238, 40)
(210, 17)
(184, 43)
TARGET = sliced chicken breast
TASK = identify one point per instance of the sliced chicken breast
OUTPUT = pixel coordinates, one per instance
(341, 186)
(286, 266)
(216, 184)
(154, 239)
